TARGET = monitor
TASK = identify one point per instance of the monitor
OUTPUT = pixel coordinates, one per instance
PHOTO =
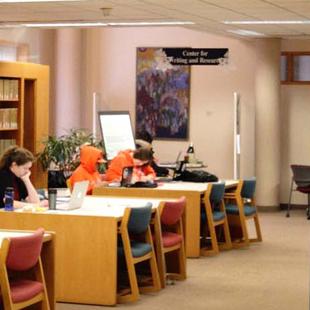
(116, 131)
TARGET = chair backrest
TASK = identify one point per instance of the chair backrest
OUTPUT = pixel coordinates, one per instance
(139, 219)
(248, 188)
(173, 211)
(24, 251)
(301, 175)
(217, 193)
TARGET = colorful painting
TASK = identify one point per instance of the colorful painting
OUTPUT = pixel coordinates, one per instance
(162, 99)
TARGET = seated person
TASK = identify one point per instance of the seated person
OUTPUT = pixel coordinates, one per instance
(138, 159)
(90, 157)
(144, 139)
(15, 164)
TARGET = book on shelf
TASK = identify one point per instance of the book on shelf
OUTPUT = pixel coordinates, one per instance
(8, 118)
(5, 143)
(9, 89)
(1, 89)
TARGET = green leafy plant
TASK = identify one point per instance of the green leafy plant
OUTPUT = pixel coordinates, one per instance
(63, 153)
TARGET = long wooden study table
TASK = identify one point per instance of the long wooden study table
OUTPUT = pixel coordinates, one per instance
(47, 257)
(86, 247)
(193, 193)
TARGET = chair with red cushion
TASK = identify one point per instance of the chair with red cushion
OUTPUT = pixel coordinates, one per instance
(301, 178)
(173, 239)
(21, 272)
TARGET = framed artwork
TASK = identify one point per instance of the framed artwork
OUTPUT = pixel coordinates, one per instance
(162, 95)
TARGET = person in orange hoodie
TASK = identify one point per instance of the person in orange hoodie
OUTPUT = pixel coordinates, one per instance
(90, 157)
(138, 159)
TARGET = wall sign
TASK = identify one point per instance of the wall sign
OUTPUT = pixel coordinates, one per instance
(197, 56)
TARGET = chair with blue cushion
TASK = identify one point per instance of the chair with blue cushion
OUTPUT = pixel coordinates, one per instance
(240, 207)
(136, 246)
(213, 215)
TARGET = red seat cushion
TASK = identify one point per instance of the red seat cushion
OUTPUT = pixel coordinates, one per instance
(22, 290)
(303, 189)
(171, 239)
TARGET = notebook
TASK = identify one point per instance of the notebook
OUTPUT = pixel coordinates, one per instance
(76, 199)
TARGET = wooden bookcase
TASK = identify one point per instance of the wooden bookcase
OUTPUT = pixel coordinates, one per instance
(24, 106)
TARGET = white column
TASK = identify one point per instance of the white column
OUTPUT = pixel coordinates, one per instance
(267, 122)
(68, 80)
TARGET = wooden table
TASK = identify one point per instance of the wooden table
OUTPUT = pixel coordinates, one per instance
(47, 257)
(192, 192)
(86, 247)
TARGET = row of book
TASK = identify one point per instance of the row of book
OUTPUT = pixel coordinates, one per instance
(9, 89)
(5, 143)
(8, 118)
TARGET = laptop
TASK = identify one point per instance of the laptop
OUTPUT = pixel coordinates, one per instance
(171, 164)
(126, 176)
(76, 199)
(127, 180)
(179, 168)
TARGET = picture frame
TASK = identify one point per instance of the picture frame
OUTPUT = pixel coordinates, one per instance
(162, 95)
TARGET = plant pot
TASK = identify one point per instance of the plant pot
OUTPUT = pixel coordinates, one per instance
(56, 179)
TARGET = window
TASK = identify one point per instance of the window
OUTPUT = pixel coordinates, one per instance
(295, 67)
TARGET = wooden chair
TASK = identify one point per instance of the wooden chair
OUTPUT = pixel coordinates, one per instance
(214, 215)
(240, 207)
(172, 240)
(21, 272)
(136, 222)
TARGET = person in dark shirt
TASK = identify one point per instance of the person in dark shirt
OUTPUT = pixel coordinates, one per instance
(15, 164)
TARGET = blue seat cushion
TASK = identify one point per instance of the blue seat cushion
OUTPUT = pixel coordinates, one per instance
(138, 249)
(233, 209)
(218, 216)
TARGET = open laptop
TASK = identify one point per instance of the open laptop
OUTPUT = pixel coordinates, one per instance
(171, 164)
(126, 176)
(76, 199)
(179, 168)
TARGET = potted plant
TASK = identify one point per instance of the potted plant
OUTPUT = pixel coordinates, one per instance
(61, 155)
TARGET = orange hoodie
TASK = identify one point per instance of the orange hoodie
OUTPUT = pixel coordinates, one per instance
(87, 170)
(121, 160)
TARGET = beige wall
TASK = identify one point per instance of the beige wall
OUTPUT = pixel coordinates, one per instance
(212, 87)
(295, 116)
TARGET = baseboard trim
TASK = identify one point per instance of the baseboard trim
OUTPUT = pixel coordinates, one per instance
(283, 206)
(268, 208)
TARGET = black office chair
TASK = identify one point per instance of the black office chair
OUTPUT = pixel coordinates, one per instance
(301, 178)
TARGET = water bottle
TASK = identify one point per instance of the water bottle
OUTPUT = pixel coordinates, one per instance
(52, 195)
(9, 199)
(191, 153)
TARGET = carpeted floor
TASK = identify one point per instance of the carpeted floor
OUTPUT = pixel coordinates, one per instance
(273, 275)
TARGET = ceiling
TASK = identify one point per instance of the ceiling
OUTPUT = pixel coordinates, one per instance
(207, 15)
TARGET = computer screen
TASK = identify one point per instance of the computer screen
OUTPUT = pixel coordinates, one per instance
(116, 132)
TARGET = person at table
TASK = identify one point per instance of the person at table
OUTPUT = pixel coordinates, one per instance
(145, 139)
(138, 159)
(90, 158)
(15, 164)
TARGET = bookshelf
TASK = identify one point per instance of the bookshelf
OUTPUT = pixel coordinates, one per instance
(24, 97)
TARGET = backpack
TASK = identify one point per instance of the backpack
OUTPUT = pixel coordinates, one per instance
(196, 176)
